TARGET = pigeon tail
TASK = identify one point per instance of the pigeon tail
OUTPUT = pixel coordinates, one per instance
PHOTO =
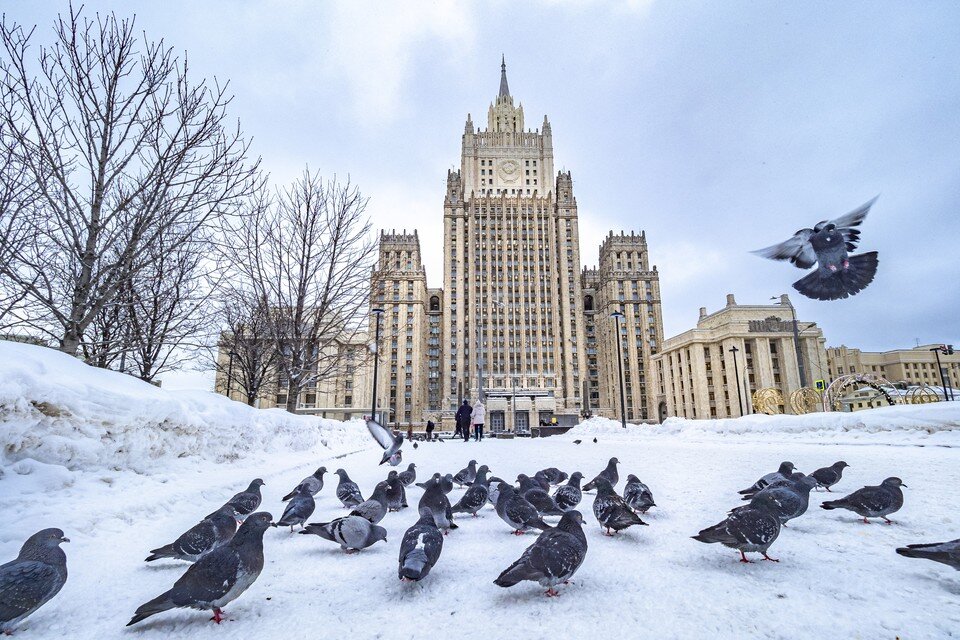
(515, 573)
(166, 551)
(161, 603)
(318, 529)
(415, 565)
(291, 494)
(843, 283)
(834, 504)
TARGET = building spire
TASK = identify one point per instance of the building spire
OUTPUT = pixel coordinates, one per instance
(504, 89)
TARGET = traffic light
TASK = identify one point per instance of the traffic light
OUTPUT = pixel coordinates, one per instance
(949, 350)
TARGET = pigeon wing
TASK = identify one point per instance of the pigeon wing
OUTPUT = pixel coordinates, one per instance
(24, 584)
(796, 249)
(845, 224)
(381, 434)
(209, 579)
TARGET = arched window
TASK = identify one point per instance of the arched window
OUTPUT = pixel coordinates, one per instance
(434, 303)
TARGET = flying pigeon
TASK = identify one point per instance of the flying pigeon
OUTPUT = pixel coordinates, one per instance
(347, 491)
(375, 507)
(553, 475)
(215, 530)
(829, 476)
(610, 473)
(530, 489)
(218, 578)
(246, 502)
(517, 512)
(420, 549)
(476, 494)
(352, 533)
(872, 502)
(385, 438)
(751, 528)
(946, 552)
(838, 273)
(611, 511)
(569, 495)
(396, 493)
(434, 502)
(553, 558)
(493, 490)
(786, 468)
(637, 495)
(787, 501)
(314, 484)
(33, 578)
(466, 475)
(299, 510)
(409, 476)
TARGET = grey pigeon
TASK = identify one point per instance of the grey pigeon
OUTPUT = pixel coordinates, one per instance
(553, 558)
(434, 502)
(352, 533)
(788, 481)
(838, 274)
(218, 578)
(514, 509)
(872, 502)
(313, 483)
(466, 475)
(215, 530)
(577, 441)
(553, 475)
(637, 495)
(446, 483)
(751, 528)
(434, 480)
(610, 474)
(611, 511)
(347, 491)
(409, 476)
(829, 476)
(299, 509)
(420, 549)
(493, 489)
(568, 496)
(375, 507)
(541, 479)
(246, 502)
(476, 494)
(787, 501)
(535, 495)
(786, 468)
(385, 438)
(33, 578)
(396, 493)
(946, 552)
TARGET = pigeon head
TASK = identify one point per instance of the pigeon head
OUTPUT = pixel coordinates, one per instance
(343, 474)
(319, 472)
(44, 545)
(840, 465)
(521, 478)
(570, 520)
(254, 526)
(484, 469)
(786, 468)
(391, 476)
(632, 478)
(577, 475)
(604, 487)
(827, 237)
(613, 462)
(255, 485)
(377, 533)
(893, 482)
(411, 467)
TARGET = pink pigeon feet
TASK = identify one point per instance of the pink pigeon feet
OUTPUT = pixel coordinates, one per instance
(217, 615)
(551, 593)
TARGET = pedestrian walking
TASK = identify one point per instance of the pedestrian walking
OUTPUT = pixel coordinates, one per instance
(463, 420)
(477, 417)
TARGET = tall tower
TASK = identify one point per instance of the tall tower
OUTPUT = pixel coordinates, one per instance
(512, 286)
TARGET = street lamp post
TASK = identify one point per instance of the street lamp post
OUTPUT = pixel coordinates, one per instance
(231, 355)
(796, 338)
(948, 350)
(736, 372)
(376, 361)
(618, 316)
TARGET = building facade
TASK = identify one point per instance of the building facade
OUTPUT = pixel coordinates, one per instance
(697, 373)
(914, 367)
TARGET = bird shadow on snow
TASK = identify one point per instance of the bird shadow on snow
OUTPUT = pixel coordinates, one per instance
(947, 583)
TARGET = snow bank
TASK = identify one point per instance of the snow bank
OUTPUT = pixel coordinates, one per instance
(938, 423)
(56, 410)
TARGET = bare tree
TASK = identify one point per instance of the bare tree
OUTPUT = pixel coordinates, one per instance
(120, 146)
(307, 253)
(250, 363)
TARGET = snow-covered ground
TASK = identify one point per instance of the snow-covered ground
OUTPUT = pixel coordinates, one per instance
(837, 577)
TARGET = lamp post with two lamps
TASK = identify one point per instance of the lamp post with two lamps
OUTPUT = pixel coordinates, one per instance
(376, 361)
(618, 316)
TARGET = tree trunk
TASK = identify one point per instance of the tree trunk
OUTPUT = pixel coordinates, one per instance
(70, 342)
(293, 396)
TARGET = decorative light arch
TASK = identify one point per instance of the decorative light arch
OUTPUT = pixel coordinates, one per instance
(833, 396)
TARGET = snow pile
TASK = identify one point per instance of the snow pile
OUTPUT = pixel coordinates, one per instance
(938, 422)
(56, 410)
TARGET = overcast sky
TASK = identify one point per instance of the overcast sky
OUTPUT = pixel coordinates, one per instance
(716, 127)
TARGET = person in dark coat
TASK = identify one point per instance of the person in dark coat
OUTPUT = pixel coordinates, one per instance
(430, 428)
(463, 420)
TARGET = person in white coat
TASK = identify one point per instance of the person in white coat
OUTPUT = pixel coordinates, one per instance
(477, 418)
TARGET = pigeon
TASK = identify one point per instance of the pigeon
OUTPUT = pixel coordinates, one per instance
(751, 528)
(33, 578)
(610, 473)
(786, 468)
(553, 558)
(215, 530)
(611, 511)
(375, 507)
(637, 495)
(838, 274)
(246, 502)
(493, 490)
(829, 476)
(314, 484)
(446, 483)
(219, 577)
(946, 552)
(517, 512)
(299, 510)
(577, 441)
(787, 481)
(530, 489)
(434, 502)
(466, 475)
(553, 475)
(409, 476)
(786, 501)
(347, 491)
(594, 441)
(434, 480)
(569, 495)
(396, 493)
(872, 502)
(420, 549)
(415, 446)
(385, 438)
(476, 494)
(353, 533)
(541, 479)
